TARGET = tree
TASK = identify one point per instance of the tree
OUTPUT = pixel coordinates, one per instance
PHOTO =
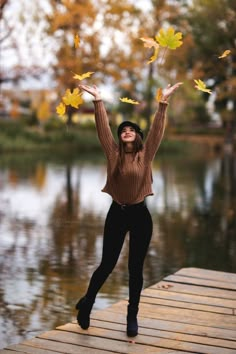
(22, 40)
(213, 29)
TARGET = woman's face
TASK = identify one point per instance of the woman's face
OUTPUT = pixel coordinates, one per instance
(128, 135)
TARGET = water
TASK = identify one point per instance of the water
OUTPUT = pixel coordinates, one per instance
(51, 223)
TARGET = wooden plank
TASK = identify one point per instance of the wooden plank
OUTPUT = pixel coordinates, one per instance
(21, 348)
(186, 305)
(112, 346)
(171, 294)
(207, 274)
(182, 315)
(70, 327)
(119, 319)
(156, 341)
(203, 282)
(196, 290)
(36, 344)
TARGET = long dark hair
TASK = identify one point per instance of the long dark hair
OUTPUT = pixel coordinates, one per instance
(138, 146)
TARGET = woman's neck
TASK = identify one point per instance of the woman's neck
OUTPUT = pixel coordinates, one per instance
(129, 147)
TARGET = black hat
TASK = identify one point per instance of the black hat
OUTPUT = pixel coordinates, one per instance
(129, 124)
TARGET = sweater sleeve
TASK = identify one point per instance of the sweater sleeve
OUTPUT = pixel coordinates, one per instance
(103, 129)
(156, 131)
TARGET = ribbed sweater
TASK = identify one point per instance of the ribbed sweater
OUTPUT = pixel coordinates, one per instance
(132, 183)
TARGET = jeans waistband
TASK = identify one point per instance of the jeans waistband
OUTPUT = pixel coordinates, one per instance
(130, 206)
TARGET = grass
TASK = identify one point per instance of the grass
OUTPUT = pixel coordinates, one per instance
(16, 137)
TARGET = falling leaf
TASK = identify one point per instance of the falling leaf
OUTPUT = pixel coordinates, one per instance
(154, 56)
(168, 38)
(83, 76)
(159, 95)
(73, 99)
(76, 41)
(201, 86)
(128, 100)
(225, 54)
(61, 109)
(151, 43)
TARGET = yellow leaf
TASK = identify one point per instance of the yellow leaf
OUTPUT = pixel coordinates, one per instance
(83, 76)
(61, 109)
(168, 38)
(201, 86)
(225, 54)
(76, 41)
(128, 100)
(149, 43)
(73, 99)
(154, 56)
(159, 95)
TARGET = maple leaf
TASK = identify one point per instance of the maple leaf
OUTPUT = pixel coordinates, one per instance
(83, 76)
(168, 38)
(201, 86)
(159, 95)
(154, 56)
(76, 41)
(128, 100)
(73, 99)
(225, 54)
(151, 43)
(61, 109)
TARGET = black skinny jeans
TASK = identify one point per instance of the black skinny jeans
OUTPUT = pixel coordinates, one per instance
(137, 220)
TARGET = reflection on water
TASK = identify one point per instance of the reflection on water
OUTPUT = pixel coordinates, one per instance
(51, 224)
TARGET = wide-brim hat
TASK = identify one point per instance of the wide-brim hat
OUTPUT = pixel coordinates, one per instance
(127, 123)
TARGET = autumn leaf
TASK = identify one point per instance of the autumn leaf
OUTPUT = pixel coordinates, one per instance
(73, 99)
(225, 54)
(168, 38)
(159, 95)
(61, 109)
(128, 100)
(76, 41)
(83, 76)
(154, 56)
(151, 43)
(201, 86)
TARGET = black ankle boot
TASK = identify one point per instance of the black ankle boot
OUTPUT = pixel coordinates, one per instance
(132, 322)
(84, 306)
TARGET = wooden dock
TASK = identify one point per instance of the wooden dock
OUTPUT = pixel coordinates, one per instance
(191, 311)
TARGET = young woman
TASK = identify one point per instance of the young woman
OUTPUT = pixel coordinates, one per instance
(129, 180)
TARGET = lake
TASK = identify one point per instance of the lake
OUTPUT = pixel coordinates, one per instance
(52, 213)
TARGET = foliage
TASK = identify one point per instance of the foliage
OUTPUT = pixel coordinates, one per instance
(128, 100)
(169, 38)
(201, 86)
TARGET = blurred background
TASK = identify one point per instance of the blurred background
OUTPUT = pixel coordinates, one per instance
(52, 169)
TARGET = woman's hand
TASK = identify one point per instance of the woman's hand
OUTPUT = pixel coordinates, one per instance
(93, 90)
(167, 92)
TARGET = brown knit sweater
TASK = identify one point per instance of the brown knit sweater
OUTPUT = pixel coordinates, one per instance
(133, 183)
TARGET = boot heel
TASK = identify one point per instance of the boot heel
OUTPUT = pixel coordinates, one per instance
(132, 322)
(84, 306)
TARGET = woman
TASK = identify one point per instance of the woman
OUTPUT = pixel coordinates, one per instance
(129, 179)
